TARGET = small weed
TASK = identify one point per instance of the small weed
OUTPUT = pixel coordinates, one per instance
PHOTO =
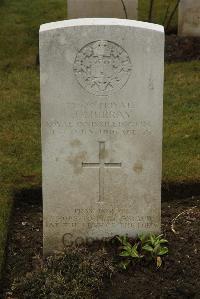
(148, 247)
(130, 252)
(153, 245)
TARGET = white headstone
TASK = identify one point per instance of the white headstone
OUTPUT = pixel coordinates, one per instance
(189, 18)
(102, 105)
(122, 9)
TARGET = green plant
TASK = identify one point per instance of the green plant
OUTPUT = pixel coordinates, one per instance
(129, 252)
(153, 245)
(145, 246)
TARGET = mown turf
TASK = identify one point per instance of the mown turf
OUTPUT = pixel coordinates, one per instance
(20, 155)
(181, 147)
(20, 158)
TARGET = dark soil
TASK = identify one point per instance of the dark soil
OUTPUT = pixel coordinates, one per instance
(181, 48)
(177, 278)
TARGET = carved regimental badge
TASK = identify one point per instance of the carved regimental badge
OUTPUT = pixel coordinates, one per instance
(102, 67)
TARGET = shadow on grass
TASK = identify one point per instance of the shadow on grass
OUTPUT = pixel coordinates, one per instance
(32, 196)
(180, 190)
(26, 204)
(170, 191)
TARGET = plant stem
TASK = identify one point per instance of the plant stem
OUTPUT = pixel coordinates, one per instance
(171, 15)
(150, 11)
(124, 8)
(166, 14)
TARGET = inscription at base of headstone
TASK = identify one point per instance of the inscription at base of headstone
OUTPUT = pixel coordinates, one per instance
(126, 9)
(189, 18)
(101, 104)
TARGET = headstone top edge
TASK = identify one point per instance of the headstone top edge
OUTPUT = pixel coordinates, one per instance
(101, 22)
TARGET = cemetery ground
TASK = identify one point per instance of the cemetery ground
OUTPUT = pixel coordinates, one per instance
(21, 166)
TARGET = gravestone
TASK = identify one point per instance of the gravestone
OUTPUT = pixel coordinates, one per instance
(189, 18)
(101, 100)
(126, 9)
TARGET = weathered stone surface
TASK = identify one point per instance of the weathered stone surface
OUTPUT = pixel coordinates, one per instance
(126, 9)
(101, 100)
(189, 18)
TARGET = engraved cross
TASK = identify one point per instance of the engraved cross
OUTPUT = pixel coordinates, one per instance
(101, 165)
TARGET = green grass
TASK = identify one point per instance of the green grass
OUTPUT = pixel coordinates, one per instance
(160, 8)
(181, 148)
(20, 155)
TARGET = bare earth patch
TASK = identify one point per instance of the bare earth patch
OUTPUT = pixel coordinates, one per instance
(181, 48)
(177, 278)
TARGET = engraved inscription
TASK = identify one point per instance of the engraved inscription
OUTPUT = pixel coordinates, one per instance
(101, 165)
(102, 67)
(100, 118)
(91, 218)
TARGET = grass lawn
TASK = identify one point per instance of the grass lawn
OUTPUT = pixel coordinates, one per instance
(20, 155)
(20, 158)
(161, 11)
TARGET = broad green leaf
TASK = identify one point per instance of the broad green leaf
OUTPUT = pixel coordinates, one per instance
(127, 247)
(152, 239)
(162, 241)
(157, 242)
(147, 248)
(134, 253)
(124, 253)
(135, 248)
(122, 239)
(163, 250)
(159, 236)
(156, 249)
(124, 264)
(125, 240)
(142, 238)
